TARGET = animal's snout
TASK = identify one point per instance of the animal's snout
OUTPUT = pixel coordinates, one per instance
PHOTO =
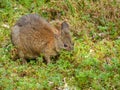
(72, 47)
(69, 47)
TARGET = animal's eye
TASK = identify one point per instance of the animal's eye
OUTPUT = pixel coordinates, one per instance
(65, 45)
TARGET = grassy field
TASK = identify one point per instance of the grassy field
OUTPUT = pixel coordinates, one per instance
(94, 64)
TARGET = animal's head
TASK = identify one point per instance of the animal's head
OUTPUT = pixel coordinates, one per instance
(63, 36)
(66, 37)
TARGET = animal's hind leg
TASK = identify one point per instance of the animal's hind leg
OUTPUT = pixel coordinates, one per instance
(14, 54)
(22, 57)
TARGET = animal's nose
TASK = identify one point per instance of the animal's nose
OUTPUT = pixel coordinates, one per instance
(72, 47)
(73, 44)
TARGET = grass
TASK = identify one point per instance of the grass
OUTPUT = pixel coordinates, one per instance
(94, 64)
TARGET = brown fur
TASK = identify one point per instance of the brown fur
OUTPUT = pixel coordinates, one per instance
(32, 36)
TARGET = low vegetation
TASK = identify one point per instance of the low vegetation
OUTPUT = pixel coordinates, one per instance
(94, 64)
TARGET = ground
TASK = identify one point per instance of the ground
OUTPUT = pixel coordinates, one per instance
(94, 64)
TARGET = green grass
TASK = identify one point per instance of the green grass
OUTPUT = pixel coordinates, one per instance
(94, 64)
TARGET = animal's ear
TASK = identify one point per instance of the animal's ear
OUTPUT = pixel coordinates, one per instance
(64, 26)
(57, 32)
(56, 27)
(56, 24)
